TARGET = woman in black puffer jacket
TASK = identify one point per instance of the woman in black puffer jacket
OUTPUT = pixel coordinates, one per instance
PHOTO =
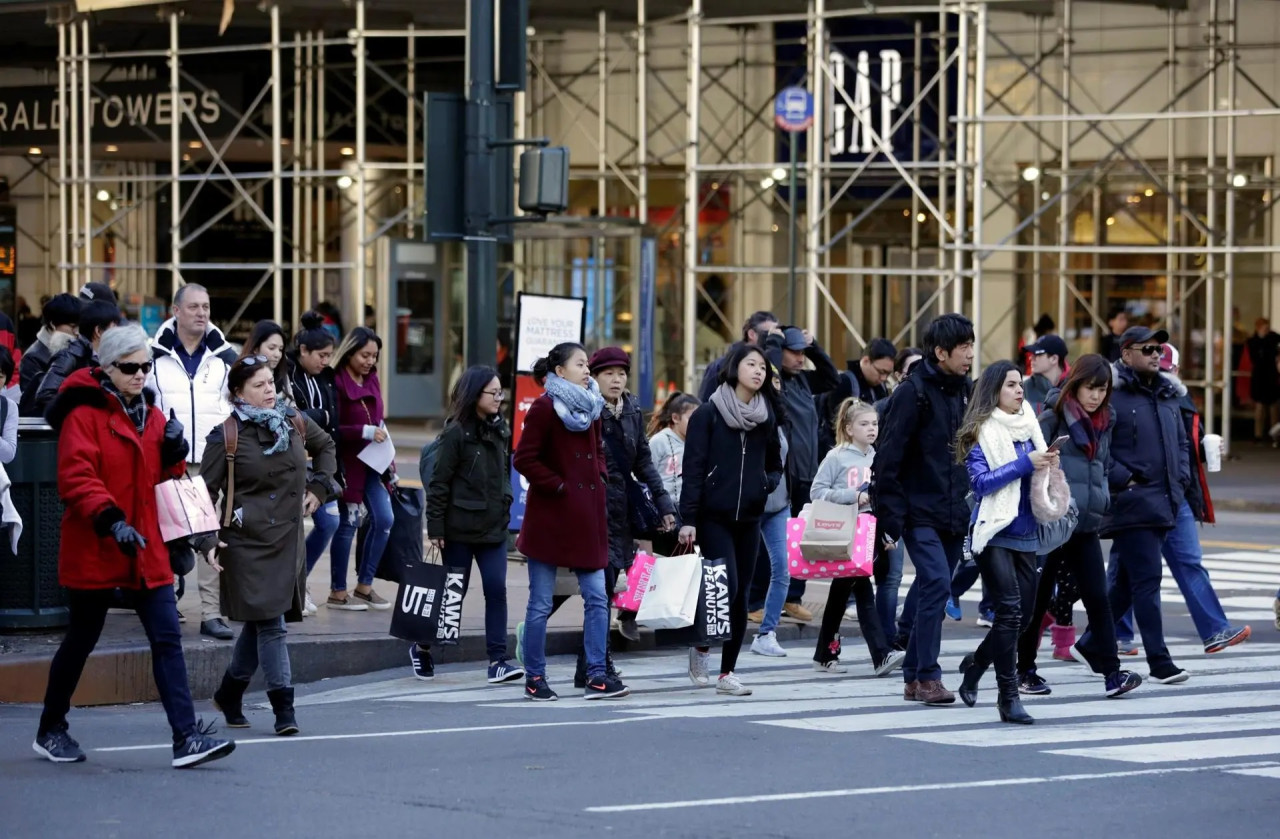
(1082, 411)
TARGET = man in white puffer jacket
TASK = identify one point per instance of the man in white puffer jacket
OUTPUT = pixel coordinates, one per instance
(191, 360)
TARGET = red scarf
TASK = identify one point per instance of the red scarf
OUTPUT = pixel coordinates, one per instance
(1085, 429)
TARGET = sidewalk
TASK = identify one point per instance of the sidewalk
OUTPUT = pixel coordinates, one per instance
(1249, 480)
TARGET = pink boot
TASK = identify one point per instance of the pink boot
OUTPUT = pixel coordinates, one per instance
(1044, 627)
(1064, 638)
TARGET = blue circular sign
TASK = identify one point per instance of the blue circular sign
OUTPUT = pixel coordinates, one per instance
(793, 109)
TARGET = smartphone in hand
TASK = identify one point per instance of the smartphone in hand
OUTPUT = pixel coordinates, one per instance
(1056, 444)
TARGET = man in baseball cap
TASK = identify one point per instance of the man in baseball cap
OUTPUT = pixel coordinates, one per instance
(1048, 366)
(97, 291)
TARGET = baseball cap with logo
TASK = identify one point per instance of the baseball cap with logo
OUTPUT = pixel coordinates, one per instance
(1168, 358)
(1142, 335)
(1049, 345)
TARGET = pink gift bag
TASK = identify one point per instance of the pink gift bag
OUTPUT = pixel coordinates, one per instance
(826, 569)
(185, 509)
(637, 582)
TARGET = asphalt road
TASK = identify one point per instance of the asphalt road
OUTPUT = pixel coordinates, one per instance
(808, 755)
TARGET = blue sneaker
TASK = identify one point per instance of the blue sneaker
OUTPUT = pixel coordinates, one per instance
(987, 618)
(1121, 682)
(953, 609)
(501, 671)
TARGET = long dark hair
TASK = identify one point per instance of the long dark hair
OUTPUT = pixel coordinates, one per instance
(984, 402)
(676, 404)
(466, 393)
(558, 357)
(352, 344)
(262, 330)
(1090, 370)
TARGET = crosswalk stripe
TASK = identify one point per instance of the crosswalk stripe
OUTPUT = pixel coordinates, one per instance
(1259, 772)
(1126, 729)
(1179, 751)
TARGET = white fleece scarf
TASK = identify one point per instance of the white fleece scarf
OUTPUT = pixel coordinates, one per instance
(996, 437)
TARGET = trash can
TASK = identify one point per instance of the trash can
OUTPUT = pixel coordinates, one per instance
(30, 596)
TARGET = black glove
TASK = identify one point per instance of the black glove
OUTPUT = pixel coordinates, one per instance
(174, 448)
(127, 538)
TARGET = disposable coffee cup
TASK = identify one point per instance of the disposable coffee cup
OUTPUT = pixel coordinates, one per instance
(1213, 452)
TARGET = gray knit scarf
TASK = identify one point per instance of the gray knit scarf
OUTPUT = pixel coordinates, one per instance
(736, 414)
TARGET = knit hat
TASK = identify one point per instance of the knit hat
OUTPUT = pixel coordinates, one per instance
(606, 357)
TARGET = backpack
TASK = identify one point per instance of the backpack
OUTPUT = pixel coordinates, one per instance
(427, 461)
(231, 440)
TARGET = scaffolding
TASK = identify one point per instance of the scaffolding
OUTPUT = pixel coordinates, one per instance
(1032, 180)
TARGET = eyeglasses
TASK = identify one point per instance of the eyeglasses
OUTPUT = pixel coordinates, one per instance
(884, 374)
(132, 368)
(253, 360)
(498, 394)
(1149, 350)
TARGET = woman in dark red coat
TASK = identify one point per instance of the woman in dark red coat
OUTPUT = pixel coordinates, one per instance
(114, 447)
(561, 454)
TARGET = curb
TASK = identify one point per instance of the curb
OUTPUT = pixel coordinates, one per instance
(122, 675)
(1240, 505)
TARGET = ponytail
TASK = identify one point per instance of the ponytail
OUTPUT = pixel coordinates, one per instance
(558, 357)
(676, 404)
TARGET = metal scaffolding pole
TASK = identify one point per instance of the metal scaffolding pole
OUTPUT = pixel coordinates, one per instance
(86, 125)
(295, 211)
(1211, 218)
(1065, 321)
(815, 173)
(642, 110)
(1229, 260)
(979, 176)
(277, 193)
(175, 159)
(361, 221)
(962, 165)
(692, 128)
(64, 273)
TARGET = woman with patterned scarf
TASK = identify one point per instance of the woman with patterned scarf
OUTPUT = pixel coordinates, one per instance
(1001, 446)
(257, 460)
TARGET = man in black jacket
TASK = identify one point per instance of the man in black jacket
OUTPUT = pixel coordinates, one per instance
(787, 351)
(59, 320)
(919, 490)
(866, 379)
(96, 317)
(757, 326)
(1150, 477)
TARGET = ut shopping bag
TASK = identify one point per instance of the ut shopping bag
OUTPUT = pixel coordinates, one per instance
(711, 617)
(799, 565)
(416, 612)
(405, 542)
(637, 582)
(828, 530)
(185, 509)
(671, 598)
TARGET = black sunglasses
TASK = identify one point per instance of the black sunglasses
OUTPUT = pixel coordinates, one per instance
(1149, 350)
(132, 368)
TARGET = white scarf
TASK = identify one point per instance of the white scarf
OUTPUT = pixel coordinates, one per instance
(996, 437)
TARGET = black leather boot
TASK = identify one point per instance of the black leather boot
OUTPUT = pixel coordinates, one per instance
(580, 675)
(229, 699)
(969, 684)
(282, 704)
(1010, 704)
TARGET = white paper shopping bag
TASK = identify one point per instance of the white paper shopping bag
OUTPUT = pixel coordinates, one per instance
(671, 598)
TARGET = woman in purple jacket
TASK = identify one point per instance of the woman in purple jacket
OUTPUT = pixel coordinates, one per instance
(1001, 445)
(360, 422)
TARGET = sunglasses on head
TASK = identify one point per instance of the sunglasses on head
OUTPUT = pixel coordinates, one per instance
(253, 360)
(132, 368)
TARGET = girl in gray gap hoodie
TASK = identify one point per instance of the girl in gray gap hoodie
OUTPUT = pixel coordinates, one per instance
(666, 446)
(842, 479)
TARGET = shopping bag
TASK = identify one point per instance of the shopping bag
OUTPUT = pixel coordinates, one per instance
(637, 581)
(828, 530)
(455, 588)
(799, 565)
(404, 544)
(185, 509)
(863, 554)
(671, 598)
(417, 610)
(711, 617)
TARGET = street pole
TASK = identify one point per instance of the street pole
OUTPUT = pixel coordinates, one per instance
(482, 247)
(791, 234)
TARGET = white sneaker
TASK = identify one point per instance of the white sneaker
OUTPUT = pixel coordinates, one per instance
(698, 673)
(851, 614)
(891, 662)
(767, 644)
(832, 666)
(729, 685)
(310, 609)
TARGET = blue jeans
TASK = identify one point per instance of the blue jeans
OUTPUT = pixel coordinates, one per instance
(887, 584)
(773, 529)
(934, 554)
(1182, 554)
(378, 502)
(1133, 575)
(262, 643)
(595, 618)
(158, 611)
(492, 561)
(326, 524)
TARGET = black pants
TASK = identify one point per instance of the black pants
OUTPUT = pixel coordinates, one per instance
(1082, 557)
(868, 620)
(1010, 577)
(1066, 591)
(737, 544)
(158, 612)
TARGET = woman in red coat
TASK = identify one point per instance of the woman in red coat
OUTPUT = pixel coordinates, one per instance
(114, 446)
(561, 454)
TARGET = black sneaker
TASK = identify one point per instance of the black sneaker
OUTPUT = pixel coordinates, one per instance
(605, 687)
(504, 671)
(1121, 682)
(537, 689)
(199, 747)
(1030, 684)
(423, 667)
(58, 746)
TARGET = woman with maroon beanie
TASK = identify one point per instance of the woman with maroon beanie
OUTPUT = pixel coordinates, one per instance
(360, 422)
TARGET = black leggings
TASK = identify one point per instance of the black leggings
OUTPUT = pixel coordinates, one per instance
(737, 544)
(868, 620)
(1082, 555)
(1065, 594)
(1010, 578)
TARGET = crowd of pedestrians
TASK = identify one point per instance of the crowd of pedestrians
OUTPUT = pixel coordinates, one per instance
(1013, 479)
